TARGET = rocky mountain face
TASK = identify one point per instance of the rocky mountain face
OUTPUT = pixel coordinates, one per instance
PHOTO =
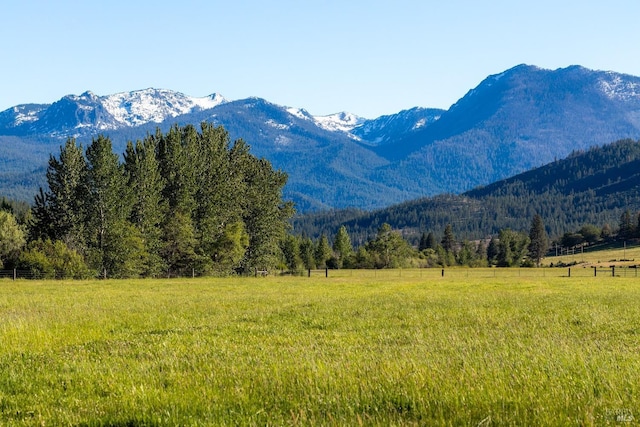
(511, 122)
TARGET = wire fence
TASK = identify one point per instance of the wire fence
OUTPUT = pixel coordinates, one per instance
(426, 273)
(574, 271)
(19, 274)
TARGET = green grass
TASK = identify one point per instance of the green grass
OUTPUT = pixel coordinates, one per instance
(338, 351)
(617, 253)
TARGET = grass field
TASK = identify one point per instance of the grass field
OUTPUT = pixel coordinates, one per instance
(617, 253)
(358, 350)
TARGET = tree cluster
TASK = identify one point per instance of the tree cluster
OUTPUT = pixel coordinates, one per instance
(589, 234)
(389, 249)
(187, 201)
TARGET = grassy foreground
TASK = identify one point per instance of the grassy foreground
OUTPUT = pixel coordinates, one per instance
(337, 351)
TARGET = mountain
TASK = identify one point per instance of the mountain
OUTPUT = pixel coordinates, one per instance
(588, 187)
(514, 121)
(511, 122)
(327, 165)
(386, 129)
(88, 113)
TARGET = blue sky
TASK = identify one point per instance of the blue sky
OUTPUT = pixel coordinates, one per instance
(366, 57)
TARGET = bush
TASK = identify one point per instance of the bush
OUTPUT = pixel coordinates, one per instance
(52, 260)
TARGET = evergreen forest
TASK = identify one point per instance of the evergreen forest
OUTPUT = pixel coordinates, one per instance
(184, 202)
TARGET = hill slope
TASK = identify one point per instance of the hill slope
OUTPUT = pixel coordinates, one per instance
(594, 186)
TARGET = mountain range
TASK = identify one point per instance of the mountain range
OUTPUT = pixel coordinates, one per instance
(511, 122)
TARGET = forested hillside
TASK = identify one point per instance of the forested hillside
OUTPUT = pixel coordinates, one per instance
(588, 187)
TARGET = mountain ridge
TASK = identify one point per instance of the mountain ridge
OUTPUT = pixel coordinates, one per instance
(510, 122)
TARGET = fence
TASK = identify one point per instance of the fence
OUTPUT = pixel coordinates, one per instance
(18, 274)
(433, 273)
(426, 273)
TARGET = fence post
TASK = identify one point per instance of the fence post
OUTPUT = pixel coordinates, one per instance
(326, 272)
(613, 271)
(14, 274)
(569, 271)
(309, 273)
(595, 271)
(443, 272)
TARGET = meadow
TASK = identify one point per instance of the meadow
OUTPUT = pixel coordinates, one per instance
(395, 349)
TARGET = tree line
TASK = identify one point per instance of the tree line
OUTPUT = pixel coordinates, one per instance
(178, 203)
(508, 248)
(389, 249)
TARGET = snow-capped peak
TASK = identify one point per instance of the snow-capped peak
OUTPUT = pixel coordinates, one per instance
(154, 105)
(300, 113)
(342, 121)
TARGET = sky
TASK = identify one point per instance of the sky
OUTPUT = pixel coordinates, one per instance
(367, 57)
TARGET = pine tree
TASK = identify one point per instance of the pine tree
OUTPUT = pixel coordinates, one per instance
(512, 247)
(264, 213)
(539, 243)
(149, 208)
(322, 252)
(218, 216)
(307, 253)
(626, 226)
(108, 208)
(60, 212)
(431, 241)
(342, 245)
(492, 251)
(176, 158)
(423, 242)
(448, 240)
(291, 252)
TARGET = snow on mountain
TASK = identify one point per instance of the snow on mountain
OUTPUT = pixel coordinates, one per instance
(73, 115)
(25, 113)
(300, 113)
(344, 122)
(154, 105)
(618, 86)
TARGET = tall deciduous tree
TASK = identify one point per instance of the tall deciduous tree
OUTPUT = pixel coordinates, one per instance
(12, 239)
(539, 243)
(389, 249)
